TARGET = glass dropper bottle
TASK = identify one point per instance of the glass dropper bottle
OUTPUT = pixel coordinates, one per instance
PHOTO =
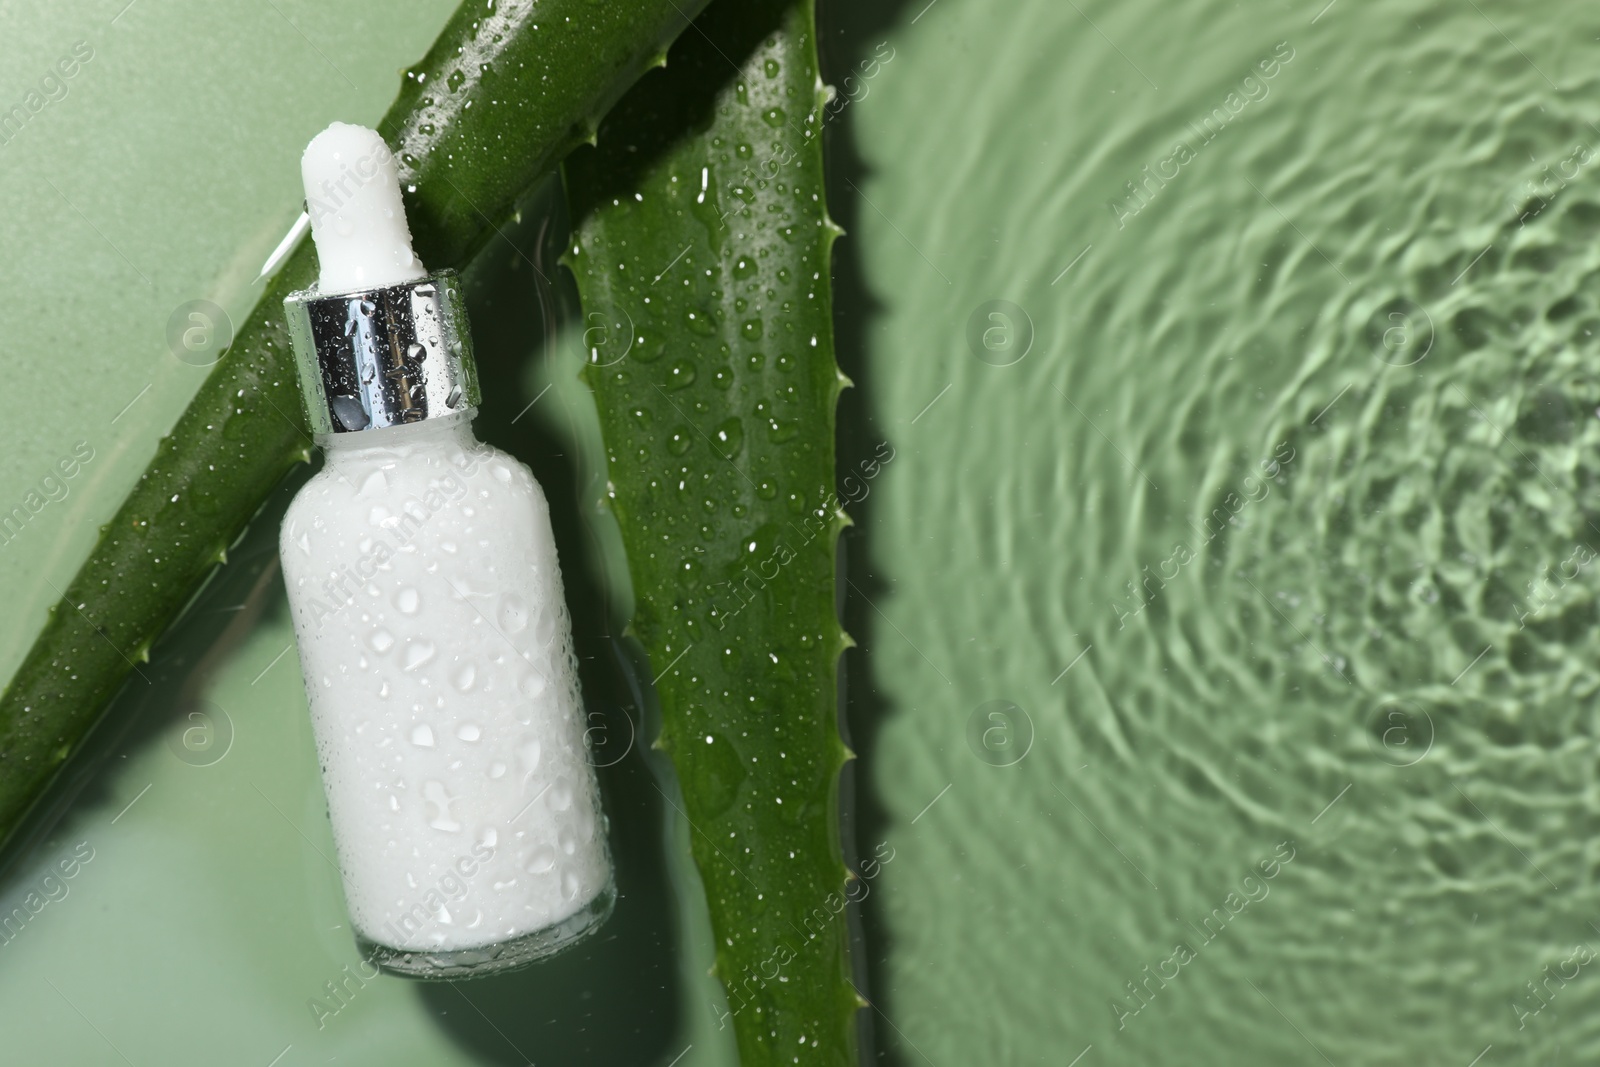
(428, 611)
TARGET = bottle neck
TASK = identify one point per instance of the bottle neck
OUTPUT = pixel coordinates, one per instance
(443, 431)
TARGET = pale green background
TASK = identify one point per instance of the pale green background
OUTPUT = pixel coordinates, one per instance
(1387, 565)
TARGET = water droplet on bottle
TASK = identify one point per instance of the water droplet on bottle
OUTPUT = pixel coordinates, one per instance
(434, 793)
(560, 795)
(542, 859)
(422, 735)
(381, 640)
(418, 652)
(545, 629)
(512, 614)
(497, 769)
(531, 684)
(379, 515)
(569, 885)
(468, 732)
(773, 116)
(567, 843)
(464, 677)
(407, 600)
(454, 398)
(529, 755)
(750, 329)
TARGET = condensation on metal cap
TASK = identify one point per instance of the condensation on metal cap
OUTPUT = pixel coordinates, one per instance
(383, 357)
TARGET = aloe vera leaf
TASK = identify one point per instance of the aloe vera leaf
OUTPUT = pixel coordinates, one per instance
(700, 219)
(506, 90)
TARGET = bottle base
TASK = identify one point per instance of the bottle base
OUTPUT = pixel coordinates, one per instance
(502, 956)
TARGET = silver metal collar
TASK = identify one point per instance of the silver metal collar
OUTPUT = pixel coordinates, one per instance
(383, 357)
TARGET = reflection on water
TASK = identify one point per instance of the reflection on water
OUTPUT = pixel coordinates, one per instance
(1281, 530)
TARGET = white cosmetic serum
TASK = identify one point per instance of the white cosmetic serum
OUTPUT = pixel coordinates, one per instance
(428, 610)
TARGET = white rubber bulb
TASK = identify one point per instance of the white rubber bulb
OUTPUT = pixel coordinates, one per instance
(357, 217)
